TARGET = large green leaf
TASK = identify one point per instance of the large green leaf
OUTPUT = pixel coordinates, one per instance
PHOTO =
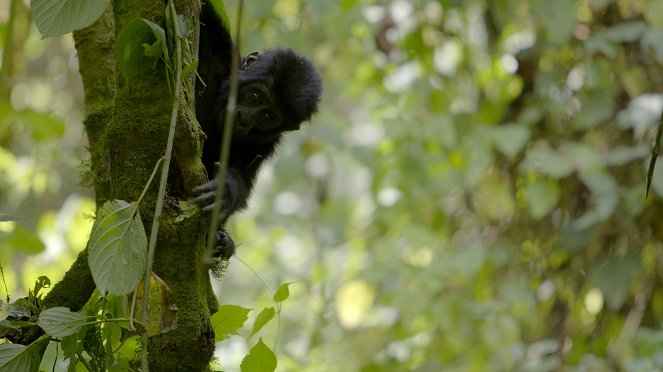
(12, 356)
(20, 358)
(60, 321)
(58, 17)
(117, 252)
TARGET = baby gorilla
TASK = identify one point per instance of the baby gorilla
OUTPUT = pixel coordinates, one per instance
(279, 90)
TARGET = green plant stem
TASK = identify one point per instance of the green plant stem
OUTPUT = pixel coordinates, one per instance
(162, 187)
(2, 274)
(273, 292)
(231, 107)
(8, 44)
(655, 152)
(149, 181)
(85, 363)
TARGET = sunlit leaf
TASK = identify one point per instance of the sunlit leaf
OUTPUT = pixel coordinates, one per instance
(228, 320)
(283, 292)
(260, 359)
(263, 318)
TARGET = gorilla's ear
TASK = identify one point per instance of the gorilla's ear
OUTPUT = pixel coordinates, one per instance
(246, 61)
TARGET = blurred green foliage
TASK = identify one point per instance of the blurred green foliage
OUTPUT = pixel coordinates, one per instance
(470, 196)
(42, 150)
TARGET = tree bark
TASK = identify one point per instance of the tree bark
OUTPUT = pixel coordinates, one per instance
(127, 126)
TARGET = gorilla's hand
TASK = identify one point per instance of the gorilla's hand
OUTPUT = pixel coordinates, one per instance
(205, 194)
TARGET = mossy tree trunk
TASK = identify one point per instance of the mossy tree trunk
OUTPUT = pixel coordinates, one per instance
(127, 126)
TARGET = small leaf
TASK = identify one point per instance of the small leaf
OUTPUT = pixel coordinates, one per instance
(260, 359)
(162, 316)
(228, 320)
(282, 293)
(138, 47)
(61, 322)
(263, 318)
(58, 17)
(42, 282)
(117, 253)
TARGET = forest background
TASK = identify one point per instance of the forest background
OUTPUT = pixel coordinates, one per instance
(471, 195)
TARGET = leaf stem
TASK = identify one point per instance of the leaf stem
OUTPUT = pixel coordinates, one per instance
(162, 185)
(227, 134)
(149, 181)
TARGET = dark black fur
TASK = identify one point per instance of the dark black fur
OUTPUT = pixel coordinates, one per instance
(291, 87)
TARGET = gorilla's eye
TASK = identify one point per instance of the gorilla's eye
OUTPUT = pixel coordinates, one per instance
(256, 97)
(267, 116)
